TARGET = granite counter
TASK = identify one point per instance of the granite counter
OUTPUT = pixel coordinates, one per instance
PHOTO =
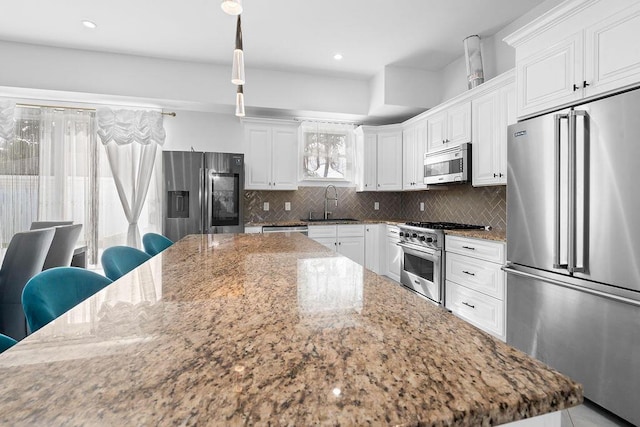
(268, 329)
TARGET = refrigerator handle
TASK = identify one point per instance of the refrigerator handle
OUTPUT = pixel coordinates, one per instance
(556, 210)
(206, 200)
(510, 270)
(572, 253)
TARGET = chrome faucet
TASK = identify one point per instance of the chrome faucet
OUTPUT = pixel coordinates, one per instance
(326, 199)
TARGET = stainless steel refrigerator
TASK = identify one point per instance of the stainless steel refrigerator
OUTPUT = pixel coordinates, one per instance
(203, 193)
(573, 246)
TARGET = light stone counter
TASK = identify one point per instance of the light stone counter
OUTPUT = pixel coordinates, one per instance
(268, 329)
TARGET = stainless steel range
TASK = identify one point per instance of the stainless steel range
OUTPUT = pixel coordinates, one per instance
(422, 259)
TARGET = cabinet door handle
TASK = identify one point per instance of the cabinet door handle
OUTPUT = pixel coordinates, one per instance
(575, 87)
(585, 84)
(495, 175)
(469, 247)
(340, 243)
(468, 305)
(469, 273)
(500, 174)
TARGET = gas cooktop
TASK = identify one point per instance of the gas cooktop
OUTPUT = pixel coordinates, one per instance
(446, 226)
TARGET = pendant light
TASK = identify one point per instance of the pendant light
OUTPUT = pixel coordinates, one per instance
(237, 72)
(240, 101)
(232, 7)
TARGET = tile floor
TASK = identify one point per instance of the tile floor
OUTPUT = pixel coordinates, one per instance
(591, 415)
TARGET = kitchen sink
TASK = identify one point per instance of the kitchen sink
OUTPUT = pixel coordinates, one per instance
(331, 220)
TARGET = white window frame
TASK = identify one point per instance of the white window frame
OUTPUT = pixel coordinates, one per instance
(348, 130)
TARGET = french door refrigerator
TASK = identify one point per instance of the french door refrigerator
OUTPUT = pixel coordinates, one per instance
(573, 246)
(203, 193)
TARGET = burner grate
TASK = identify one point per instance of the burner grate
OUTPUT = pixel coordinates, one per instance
(445, 226)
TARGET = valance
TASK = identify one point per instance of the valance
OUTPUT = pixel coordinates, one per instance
(7, 121)
(128, 126)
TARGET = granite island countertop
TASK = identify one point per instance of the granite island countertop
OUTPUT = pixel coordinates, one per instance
(268, 329)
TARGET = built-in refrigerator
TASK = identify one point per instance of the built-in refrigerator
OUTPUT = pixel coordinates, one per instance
(573, 246)
(203, 193)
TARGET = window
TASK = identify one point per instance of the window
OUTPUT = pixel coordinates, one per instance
(327, 151)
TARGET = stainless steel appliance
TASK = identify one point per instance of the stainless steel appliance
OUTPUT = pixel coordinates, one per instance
(422, 257)
(203, 193)
(452, 165)
(573, 246)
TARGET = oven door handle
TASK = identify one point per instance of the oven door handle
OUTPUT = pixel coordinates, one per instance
(420, 251)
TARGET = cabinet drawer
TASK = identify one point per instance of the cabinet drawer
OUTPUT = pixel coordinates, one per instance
(483, 311)
(351, 230)
(479, 275)
(322, 231)
(393, 231)
(483, 249)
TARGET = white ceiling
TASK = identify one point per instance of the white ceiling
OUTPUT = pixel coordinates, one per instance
(294, 35)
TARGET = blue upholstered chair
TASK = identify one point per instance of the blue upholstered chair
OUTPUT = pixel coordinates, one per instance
(119, 260)
(24, 259)
(55, 291)
(155, 243)
(6, 342)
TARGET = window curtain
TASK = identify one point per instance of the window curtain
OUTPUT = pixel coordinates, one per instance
(18, 176)
(131, 139)
(67, 175)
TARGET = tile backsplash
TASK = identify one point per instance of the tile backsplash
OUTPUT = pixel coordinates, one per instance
(458, 203)
(305, 199)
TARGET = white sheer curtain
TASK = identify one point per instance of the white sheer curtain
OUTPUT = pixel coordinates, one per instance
(47, 170)
(67, 172)
(131, 139)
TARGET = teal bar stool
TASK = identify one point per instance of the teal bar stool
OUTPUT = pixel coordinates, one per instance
(6, 342)
(155, 243)
(55, 291)
(119, 260)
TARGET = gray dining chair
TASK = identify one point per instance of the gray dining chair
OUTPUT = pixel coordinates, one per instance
(24, 259)
(62, 246)
(37, 225)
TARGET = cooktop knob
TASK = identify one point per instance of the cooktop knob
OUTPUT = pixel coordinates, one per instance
(401, 234)
(429, 240)
(422, 238)
(414, 235)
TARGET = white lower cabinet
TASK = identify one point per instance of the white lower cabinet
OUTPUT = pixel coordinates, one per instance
(392, 253)
(372, 245)
(475, 285)
(347, 239)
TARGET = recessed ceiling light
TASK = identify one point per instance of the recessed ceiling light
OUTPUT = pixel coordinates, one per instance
(337, 56)
(89, 24)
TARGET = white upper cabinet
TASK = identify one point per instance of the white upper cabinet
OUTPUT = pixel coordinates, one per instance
(576, 51)
(612, 56)
(550, 77)
(390, 161)
(272, 156)
(492, 113)
(378, 159)
(450, 127)
(414, 145)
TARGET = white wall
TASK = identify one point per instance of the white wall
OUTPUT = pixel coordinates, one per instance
(497, 56)
(173, 84)
(203, 132)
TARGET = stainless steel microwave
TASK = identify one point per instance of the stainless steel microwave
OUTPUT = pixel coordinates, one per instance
(452, 165)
